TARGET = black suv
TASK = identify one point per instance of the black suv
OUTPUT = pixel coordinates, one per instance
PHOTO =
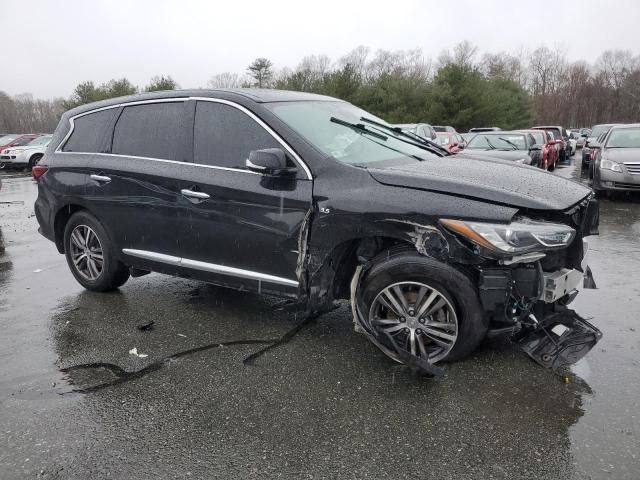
(309, 197)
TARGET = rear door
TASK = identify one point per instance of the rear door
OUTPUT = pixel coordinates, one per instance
(245, 228)
(133, 187)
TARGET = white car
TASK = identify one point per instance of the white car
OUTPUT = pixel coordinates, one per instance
(25, 156)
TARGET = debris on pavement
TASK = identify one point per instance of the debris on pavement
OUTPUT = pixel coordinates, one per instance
(134, 351)
(147, 327)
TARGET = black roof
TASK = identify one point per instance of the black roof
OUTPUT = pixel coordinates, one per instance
(258, 95)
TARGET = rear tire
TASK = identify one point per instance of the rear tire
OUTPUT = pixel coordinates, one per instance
(449, 328)
(90, 254)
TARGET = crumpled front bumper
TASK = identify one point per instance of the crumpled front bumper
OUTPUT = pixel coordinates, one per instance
(560, 340)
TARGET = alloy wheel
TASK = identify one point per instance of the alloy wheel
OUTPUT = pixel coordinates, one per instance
(418, 317)
(86, 252)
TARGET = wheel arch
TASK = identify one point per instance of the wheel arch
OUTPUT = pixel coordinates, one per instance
(37, 155)
(60, 222)
(329, 272)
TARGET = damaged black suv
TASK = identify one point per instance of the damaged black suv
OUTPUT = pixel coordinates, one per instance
(309, 197)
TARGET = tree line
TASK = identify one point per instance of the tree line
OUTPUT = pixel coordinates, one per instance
(24, 114)
(461, 87)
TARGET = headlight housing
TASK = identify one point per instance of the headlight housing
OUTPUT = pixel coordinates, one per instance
(513, 238)
(610, 165)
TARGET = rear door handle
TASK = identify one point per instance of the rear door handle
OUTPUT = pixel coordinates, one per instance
(100, 178)
(193, 196)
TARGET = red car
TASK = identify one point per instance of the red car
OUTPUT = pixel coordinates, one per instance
(16, 140)
(549, 152)
(453, 142)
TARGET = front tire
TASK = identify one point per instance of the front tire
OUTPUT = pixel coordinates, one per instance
(33, 161)
(90, 254)
(431, 310)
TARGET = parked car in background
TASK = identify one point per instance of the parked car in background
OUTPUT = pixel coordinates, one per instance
(444, 128)
(561, 138)
(572, 140)
(453, 142)
(16, 140)
(484, 129)
(587, 150)
(412, 235)
(423, 130)
(515, 146)
(616, 166)
(580, 135)
(26, 156)
(467, 136)
(548, 152)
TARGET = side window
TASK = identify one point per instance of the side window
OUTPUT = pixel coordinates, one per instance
(89, 132)
(151, 130)
(223, 136)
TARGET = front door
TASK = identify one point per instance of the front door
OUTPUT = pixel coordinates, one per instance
(238, 227)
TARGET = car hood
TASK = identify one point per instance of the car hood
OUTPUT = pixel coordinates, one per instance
(491, 180)
(16, 149)
(621, 155)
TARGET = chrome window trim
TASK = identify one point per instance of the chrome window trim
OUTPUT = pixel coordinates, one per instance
(243, 109)
(208, 267)
(163, 160)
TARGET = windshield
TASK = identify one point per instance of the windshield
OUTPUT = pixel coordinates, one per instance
(624, 138)
(442, 139)
(502, 141)
(539, 137)
(313, 121)
(7, 139)
(599, 130)
(43, 140)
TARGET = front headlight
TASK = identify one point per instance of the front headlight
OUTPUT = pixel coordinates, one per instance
(513, 238)
(610, 165)
(522, 160)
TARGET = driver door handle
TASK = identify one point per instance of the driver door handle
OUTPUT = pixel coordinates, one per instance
(100, 178)
(193, 196)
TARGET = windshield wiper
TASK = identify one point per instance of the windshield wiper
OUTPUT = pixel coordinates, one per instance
(421, 142)
(491, 145)
(358, 127)
(515, 147)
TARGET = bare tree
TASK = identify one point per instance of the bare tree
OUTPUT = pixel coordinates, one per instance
(228, 80)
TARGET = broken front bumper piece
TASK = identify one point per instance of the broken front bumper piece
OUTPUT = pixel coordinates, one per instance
(560, 340)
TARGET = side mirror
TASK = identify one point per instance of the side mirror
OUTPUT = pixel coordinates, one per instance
(536, 146)
(269, 161)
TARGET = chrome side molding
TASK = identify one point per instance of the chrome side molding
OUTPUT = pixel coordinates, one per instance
(209, 267)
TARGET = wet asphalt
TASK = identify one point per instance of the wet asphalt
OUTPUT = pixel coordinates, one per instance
(75, 404)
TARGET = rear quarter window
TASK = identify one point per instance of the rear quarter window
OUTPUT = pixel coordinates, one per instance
(150, 130)
(89, 132)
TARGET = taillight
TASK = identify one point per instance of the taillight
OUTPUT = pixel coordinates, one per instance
(37, 171)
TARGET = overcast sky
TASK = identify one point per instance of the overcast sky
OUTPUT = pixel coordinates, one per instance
(51, 46)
